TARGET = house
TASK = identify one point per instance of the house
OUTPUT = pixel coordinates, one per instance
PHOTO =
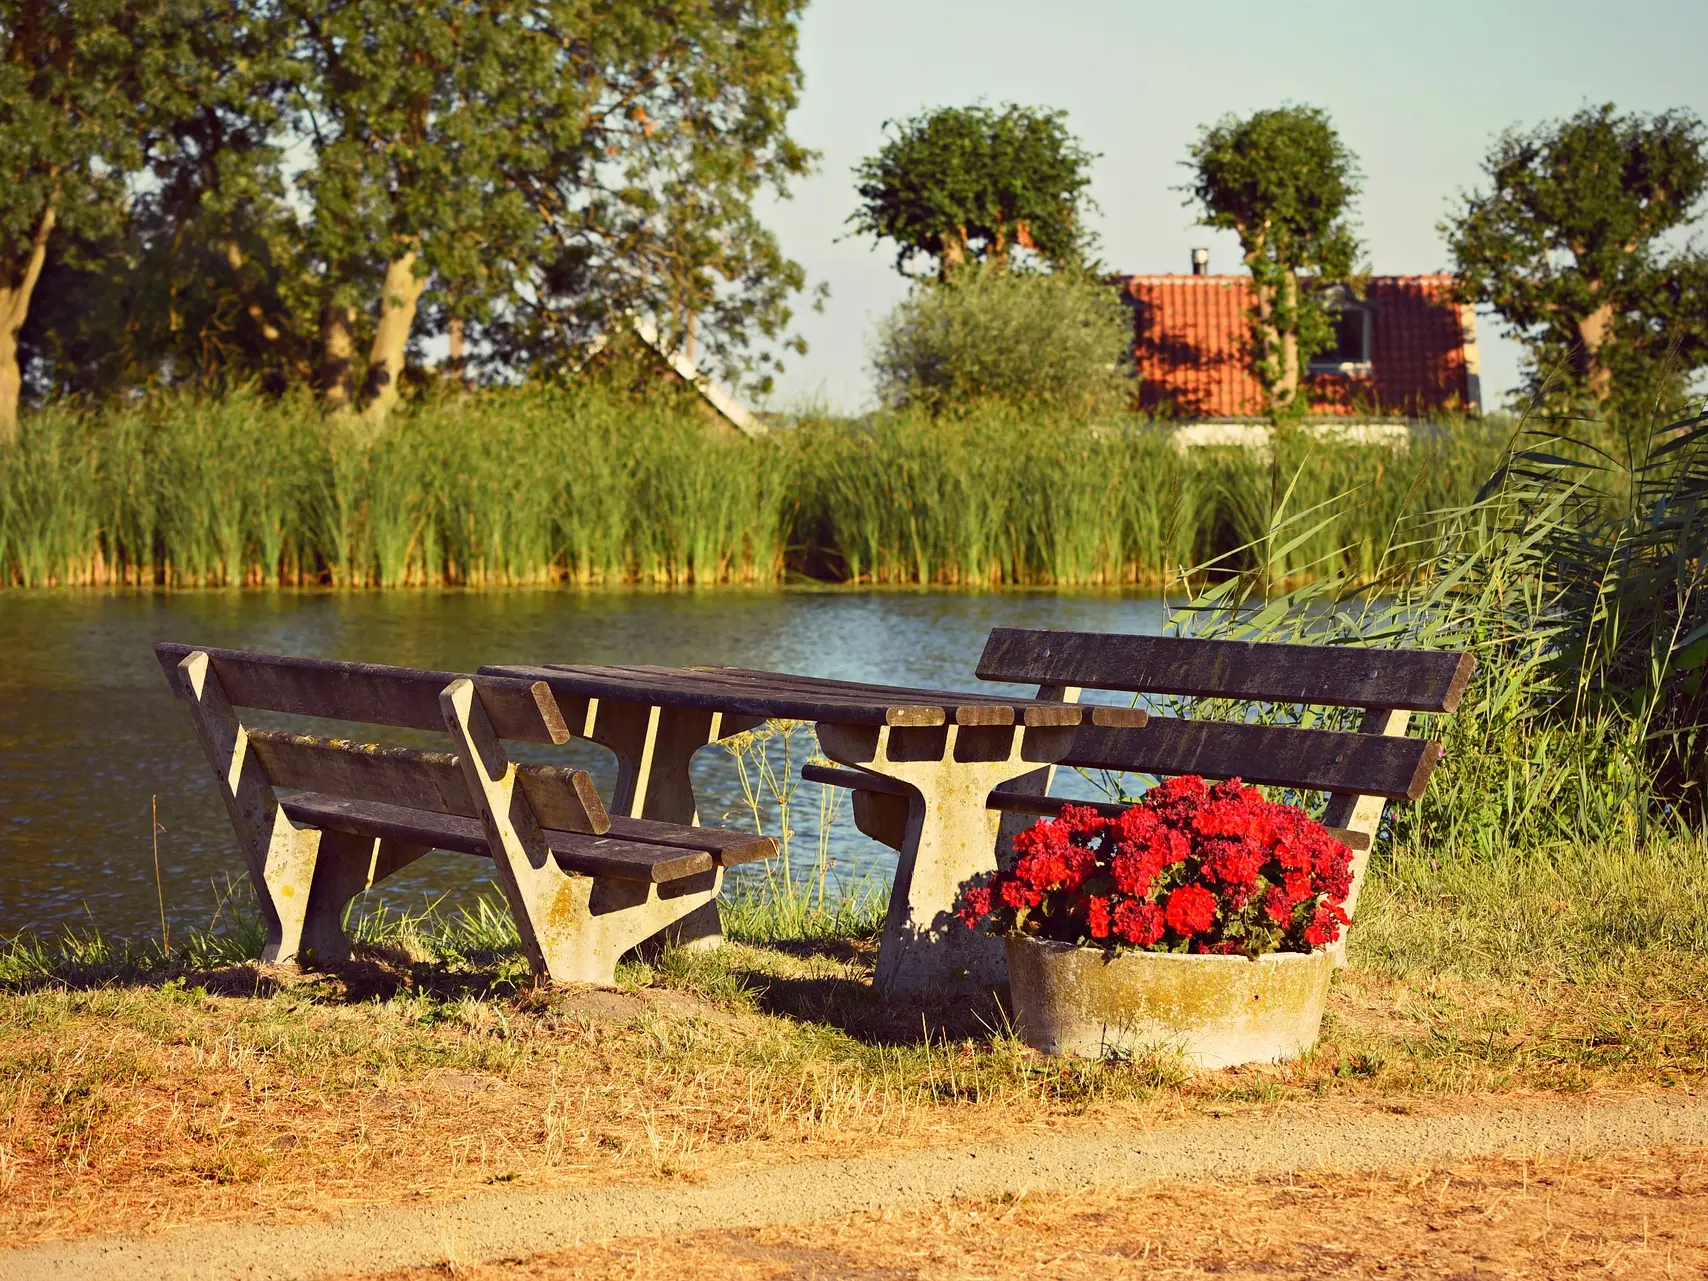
(1404, 348)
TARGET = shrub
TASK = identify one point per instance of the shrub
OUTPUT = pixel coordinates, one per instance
(1057, 342)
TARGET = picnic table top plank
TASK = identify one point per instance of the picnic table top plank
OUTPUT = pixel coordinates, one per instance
(783, 695)
(1318, 675)
(1032, 712)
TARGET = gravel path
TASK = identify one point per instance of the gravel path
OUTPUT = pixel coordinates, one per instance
(511, 1224)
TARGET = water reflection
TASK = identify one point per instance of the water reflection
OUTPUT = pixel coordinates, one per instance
(91, 734)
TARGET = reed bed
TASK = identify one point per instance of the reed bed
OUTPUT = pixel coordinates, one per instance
(512, 488)
(995, 497)
(583, 485)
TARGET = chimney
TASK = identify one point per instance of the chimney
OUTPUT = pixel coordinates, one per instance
(1200, 262)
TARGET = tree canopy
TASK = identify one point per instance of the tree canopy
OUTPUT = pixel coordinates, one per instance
(1574, 244)
(964, 183)
(1284, 183)
(81, 87)
(301, 191)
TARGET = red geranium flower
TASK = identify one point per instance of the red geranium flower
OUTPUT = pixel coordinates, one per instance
(1081, 820)
(1325, 926)
(1191, 910)
(1229, 862)
(1278, 906)
(1215, 869)
(975, 904)
(1140, 923)
(1097, 917)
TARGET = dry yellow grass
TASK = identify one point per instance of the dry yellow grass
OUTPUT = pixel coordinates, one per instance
(236, 1094)
(1635, 1214)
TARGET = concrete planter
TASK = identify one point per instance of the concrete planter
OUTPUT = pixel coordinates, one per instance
(1215, 1010)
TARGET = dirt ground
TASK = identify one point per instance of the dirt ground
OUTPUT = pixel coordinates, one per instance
(1504, 1190)
(1622, 1214)
(237, 1097)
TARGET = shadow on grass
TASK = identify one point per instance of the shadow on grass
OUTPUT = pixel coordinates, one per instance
(373, 973)
(854, 1007)
(824, 981)
(766, 978)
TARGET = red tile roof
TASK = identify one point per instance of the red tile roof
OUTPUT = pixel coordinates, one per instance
(1191, 334)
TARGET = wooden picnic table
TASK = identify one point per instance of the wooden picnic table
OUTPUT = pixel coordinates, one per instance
(947, 749)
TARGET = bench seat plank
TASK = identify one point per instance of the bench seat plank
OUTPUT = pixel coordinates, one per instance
(727, 847)
(1314, 675)
(368, 692)
(639, 858)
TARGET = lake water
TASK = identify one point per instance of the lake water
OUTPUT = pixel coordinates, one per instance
(90, 736)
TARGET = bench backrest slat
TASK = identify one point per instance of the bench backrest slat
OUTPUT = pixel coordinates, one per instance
(1311, 760)
(371, 694)
(1312, 675)
(562, 799)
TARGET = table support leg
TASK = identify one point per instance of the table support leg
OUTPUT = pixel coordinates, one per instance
(950, 838)
(655, 747)
(344, 867)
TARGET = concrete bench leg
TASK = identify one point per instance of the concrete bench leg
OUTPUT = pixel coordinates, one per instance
(280, 859)
(303, 879)
(949, 839)
(573, 928)
(1359, 813)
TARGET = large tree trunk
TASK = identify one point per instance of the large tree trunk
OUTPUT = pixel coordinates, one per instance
(391, 336)
(16, 289)
(1592, 337)
(337, 355)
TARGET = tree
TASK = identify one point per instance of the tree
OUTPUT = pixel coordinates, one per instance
(1284, 183)
(398, 105)
(1570, 247)
(169, 279)
(551, 165)
(970, 182)
(315, 185)
(646, 205)
(1054, 341)
(77, 81)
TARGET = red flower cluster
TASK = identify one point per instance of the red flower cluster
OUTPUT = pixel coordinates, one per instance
(1191, 867)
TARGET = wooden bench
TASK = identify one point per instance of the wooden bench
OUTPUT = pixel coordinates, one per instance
(584, 887)
(1360, 771)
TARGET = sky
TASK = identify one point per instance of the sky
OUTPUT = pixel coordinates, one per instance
(1418, 90)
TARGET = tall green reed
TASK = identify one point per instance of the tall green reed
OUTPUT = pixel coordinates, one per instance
(995, 495)
(1574, 576)
(585, 484)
